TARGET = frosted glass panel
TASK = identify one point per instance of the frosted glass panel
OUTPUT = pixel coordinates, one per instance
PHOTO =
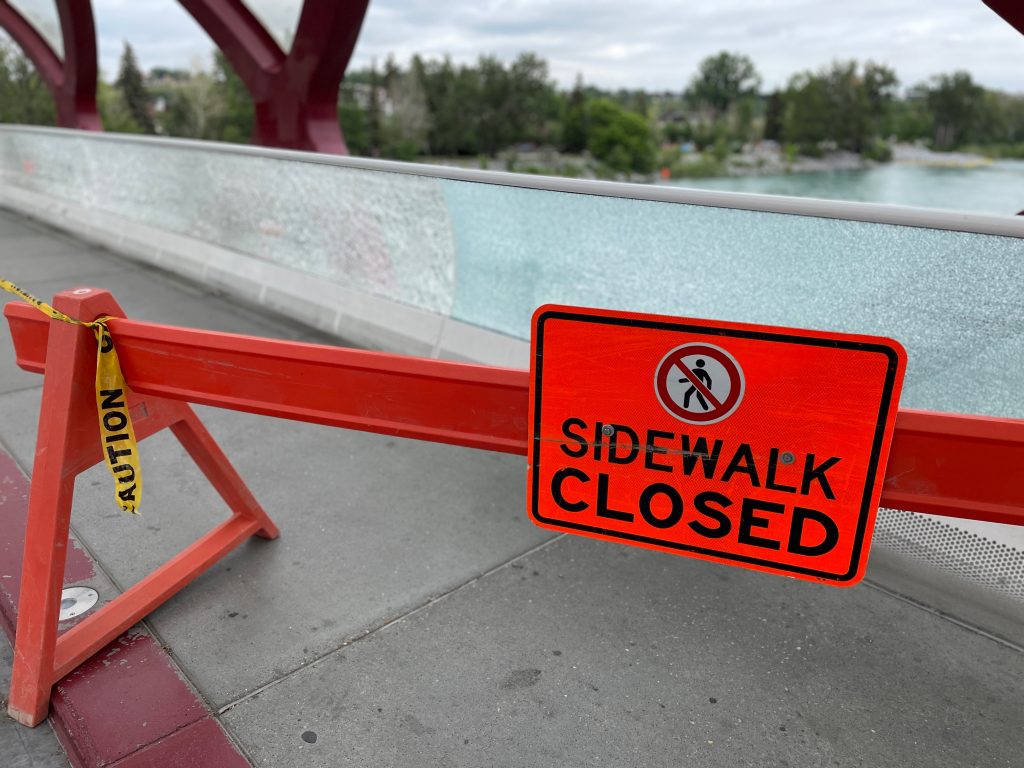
(42, 14)
(279, 17)
(384, 233)
(488, 254)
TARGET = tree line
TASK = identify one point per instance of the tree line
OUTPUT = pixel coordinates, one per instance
(435, 107)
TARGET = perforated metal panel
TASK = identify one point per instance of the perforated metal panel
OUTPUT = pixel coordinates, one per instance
(953, 546)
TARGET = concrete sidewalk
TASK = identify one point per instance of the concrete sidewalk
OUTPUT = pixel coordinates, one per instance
(411, 615)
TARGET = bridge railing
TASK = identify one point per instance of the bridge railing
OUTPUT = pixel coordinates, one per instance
(451, 262)
(421, 259)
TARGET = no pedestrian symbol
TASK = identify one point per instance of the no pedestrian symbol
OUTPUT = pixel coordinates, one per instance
(699, 383)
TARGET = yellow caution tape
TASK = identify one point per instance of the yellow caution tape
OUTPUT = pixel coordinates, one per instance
(117, 436)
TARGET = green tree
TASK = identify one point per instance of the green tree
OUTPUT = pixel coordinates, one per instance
(634, 100)
(773, 116)
(574, 120)
(516, 104)
(840, 104)
(910, 118)
(374, 112)
(167, 73)
(807, 116)
(237, 112)
(439, 85)
(533, 102)
(1003, 119)
(849, 125)
(355, 127)
(620, 138)
(476, 109)
(24, 98)
(133, 91)
(406, 128)
(113, 111)
(392, 72)
(721, 81)
(742, 118)
(957, 106)
(196, 108)
(495, 129)
(468, 96)
(880, 85)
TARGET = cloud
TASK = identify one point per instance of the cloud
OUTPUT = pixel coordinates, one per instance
(652, 44)
(161, 32)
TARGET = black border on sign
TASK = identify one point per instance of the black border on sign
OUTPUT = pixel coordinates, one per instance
(788, 338)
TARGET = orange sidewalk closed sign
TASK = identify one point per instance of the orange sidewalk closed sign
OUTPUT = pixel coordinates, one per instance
(749, 445)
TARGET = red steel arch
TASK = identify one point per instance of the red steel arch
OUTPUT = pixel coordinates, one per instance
(1012, 12)
(295, 94)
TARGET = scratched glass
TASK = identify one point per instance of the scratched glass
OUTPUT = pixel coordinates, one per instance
(953, 299)
(385, 234)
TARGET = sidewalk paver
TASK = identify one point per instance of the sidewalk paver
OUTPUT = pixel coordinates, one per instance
(371, 527)
(22, 747)
(586, 653)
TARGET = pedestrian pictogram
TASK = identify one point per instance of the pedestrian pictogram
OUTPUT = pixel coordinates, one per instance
(699, 383)
(744, 444)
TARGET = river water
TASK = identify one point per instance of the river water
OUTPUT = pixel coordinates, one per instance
(995, 188)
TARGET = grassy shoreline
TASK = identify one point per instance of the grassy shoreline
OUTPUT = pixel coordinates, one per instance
(762, 159)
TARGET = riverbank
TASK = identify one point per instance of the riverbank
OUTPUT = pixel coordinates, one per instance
(765, 158)
(915, 176)
(771, 159)
(911, 154)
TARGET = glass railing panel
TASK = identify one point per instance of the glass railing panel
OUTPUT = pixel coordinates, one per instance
(384, 233)
(954, 299)
(488, 254)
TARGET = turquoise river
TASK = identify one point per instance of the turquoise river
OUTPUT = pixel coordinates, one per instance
(995, 188)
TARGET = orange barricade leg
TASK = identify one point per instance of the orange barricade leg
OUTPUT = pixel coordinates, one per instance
(67, 444)
(218, 470)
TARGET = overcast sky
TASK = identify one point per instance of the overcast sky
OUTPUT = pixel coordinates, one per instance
(623, 43)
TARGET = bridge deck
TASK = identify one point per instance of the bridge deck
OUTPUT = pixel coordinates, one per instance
(411, 615)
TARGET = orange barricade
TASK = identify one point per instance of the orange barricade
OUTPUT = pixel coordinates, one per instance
(458, 403)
